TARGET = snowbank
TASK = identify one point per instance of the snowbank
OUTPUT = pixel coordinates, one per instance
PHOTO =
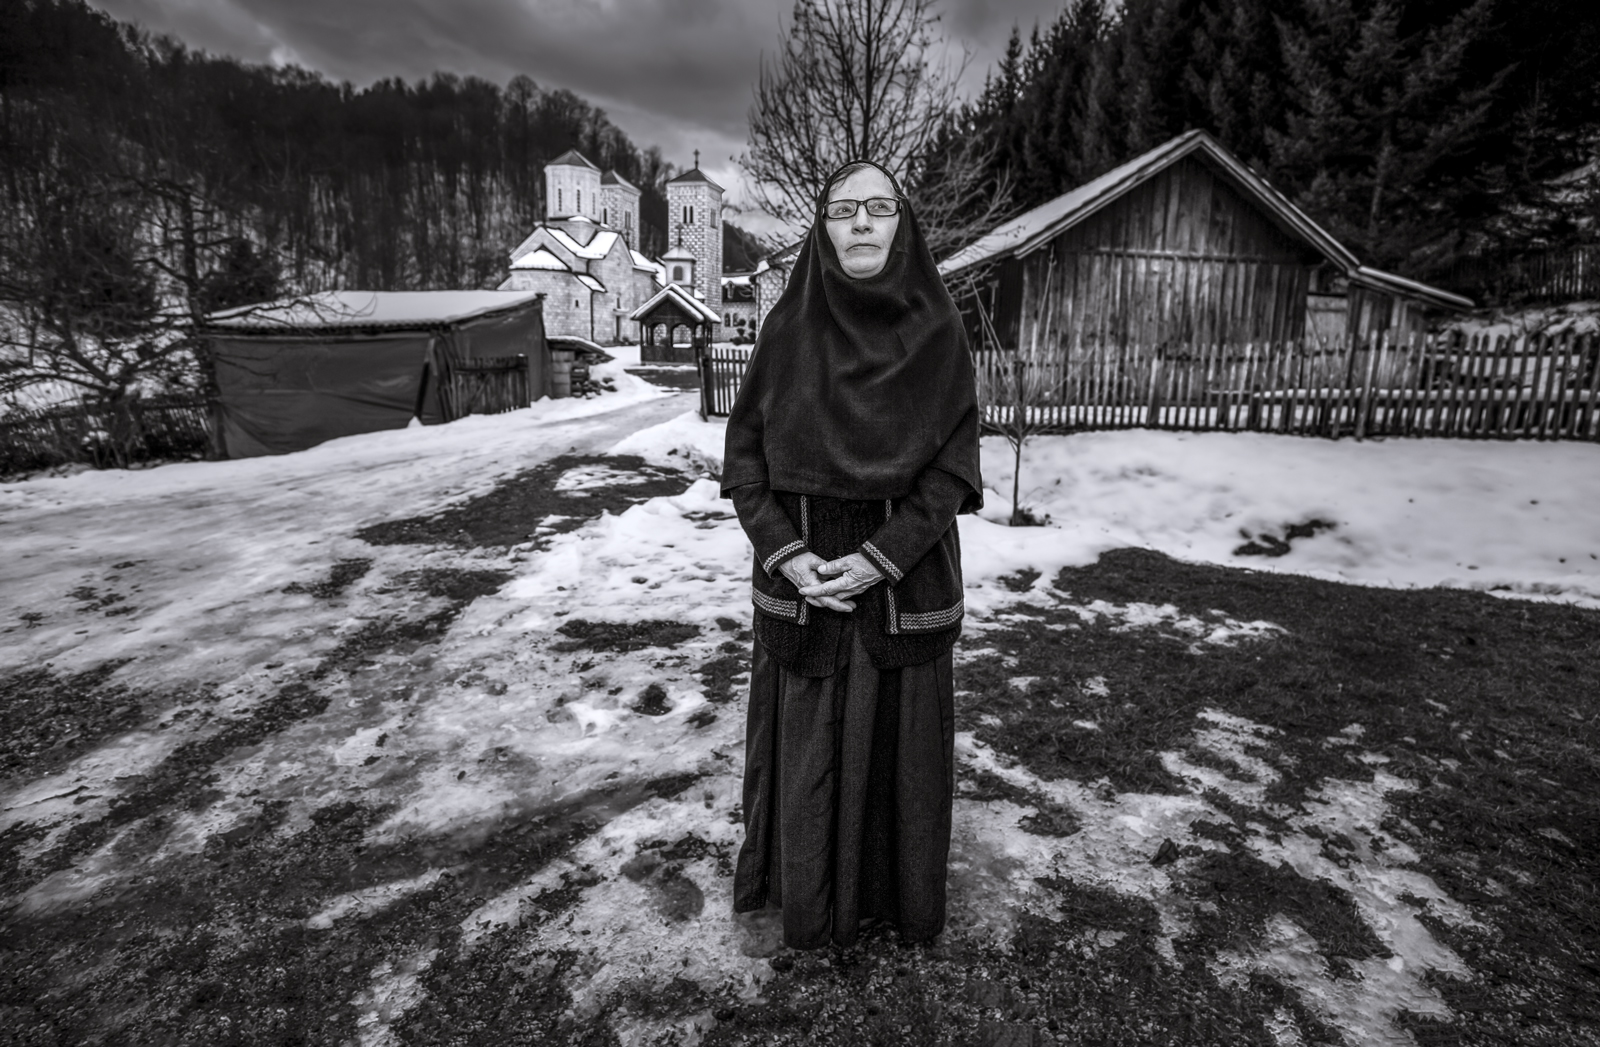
(1510, 517)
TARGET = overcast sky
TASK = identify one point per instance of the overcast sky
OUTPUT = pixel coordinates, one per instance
(672, 73)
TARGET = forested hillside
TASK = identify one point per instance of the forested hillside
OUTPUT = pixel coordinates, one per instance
(1416, 131)
(105, 132)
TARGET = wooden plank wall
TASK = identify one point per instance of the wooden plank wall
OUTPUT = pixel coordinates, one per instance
(1183, 258)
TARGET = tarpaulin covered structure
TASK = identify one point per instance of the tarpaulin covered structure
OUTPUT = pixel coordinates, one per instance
(292, 374)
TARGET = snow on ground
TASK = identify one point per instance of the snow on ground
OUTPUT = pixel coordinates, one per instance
(500, 721)
(1513, 517)
(1567, 318)
(216, 542)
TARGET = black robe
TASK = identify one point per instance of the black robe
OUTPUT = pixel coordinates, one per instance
(855, 430)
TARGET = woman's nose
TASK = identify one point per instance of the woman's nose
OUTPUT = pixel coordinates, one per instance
(863, 221)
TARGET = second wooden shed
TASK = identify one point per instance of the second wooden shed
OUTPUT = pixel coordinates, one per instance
(1183, 245)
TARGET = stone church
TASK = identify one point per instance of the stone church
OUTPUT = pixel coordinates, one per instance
(584, 256)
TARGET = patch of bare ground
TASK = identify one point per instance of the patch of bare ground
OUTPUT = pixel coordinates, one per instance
(533, 505)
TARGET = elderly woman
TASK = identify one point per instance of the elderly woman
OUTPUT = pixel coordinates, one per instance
(851, 448)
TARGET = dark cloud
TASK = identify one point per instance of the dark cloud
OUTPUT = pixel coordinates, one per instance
(673, 73)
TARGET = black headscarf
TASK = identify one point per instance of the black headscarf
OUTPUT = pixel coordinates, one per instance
(856, 386)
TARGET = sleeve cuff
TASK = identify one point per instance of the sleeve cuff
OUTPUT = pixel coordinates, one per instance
(883, 563)
(771, 563)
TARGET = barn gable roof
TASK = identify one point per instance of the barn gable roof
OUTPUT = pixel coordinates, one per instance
(1031, 230)
(676, 295)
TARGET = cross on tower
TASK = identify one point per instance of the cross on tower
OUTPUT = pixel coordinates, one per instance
(697, 159)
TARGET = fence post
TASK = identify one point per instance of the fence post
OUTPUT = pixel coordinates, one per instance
(1152, 415)
(702, 359)
(1364, 401)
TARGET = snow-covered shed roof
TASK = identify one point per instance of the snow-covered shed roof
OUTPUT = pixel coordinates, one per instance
(368, 309)
(612, 178)
(643, 261)
(590, 282)
(572, 158)
(681, 298)
(598, 247)
(540, 258)
(695, 175)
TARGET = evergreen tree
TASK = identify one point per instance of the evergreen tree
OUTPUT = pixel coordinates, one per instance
(1379, 125)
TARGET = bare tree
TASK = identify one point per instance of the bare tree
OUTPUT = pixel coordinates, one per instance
(1013, 384)
(867, 80)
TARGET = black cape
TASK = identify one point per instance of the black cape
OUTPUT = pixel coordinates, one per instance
(856, 386)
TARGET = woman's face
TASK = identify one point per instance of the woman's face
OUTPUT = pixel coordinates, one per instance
(862, 243)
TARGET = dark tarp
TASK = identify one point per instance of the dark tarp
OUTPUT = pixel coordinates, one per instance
(287, 392)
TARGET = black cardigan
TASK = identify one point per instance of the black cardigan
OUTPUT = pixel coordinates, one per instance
(911, 617)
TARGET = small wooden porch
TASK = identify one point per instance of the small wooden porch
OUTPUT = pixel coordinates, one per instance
(660, 320)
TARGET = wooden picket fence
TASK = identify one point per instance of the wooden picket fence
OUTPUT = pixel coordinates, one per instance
(721, 371)
(103, 435)
(1544, 387)
(1539, 387)
(1558, 274)
(489, 385)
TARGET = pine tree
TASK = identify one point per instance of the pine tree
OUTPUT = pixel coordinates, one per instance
(1379, 123)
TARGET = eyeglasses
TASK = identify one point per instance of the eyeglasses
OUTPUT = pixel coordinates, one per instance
(877, 207)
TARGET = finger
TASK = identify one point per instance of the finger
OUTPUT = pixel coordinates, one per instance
(832, 567)
(838, 585)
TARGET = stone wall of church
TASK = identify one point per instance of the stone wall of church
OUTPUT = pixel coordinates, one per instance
(769, 285)
(566, 302)
(571, 190)
(620, 211)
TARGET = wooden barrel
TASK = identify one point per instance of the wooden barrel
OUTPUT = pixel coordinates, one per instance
(561, 372)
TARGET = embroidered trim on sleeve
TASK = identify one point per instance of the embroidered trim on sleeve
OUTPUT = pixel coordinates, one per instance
(805, 519)
(888, 508)
(930, 620)
(885, 564)
(772, 561)
(774, 606)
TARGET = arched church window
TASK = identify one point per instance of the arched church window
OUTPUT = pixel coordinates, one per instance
(677, 272)
(559, 204)
(580, 198)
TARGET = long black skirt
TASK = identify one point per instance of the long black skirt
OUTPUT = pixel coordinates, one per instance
(848, 781)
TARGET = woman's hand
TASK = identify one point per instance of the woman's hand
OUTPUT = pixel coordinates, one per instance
(801, 569)
(850, 576)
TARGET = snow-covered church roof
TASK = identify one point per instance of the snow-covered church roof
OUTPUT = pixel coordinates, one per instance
(572, 158)
(541, 258)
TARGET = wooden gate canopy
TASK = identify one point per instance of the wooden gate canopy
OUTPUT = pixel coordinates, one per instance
(294, 373)
(1184, 244)
(673, 307)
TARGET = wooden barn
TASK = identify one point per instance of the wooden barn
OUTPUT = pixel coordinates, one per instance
(1184, 245)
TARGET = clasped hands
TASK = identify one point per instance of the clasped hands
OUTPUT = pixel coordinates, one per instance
(831, 583)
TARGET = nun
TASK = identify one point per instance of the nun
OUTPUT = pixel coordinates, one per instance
(852, 446)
